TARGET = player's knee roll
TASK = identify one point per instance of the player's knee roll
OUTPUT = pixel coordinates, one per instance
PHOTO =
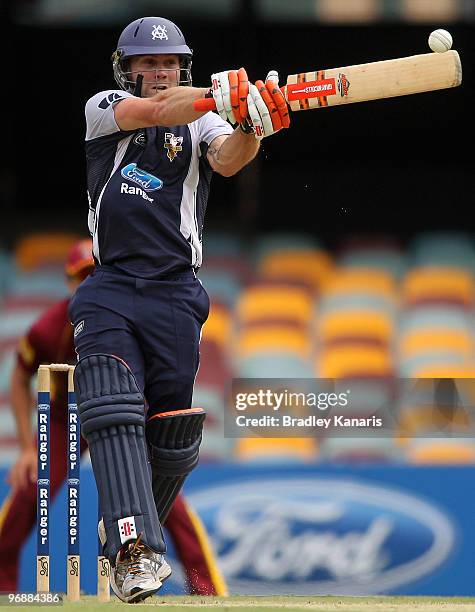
(108, 394)
(174, 440)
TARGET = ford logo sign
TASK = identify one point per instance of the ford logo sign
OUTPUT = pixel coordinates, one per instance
(322, 536)
(147, 181)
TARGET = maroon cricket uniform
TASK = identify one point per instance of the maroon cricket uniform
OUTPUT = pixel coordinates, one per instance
(50, 340)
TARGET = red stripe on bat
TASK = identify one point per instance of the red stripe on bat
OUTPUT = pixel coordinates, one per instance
(323, 101)
(303, 102)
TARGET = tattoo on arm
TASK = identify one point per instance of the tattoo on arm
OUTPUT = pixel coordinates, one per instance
(213, 151)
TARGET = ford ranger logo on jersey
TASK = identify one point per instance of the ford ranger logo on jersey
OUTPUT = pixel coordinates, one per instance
(146, 180)
(322, 535)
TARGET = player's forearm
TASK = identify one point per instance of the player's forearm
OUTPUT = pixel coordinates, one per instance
(171, 107)
(174, 106)
(234, 153)
(21, 405)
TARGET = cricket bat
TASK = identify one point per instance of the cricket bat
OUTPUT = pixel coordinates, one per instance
(363, 82)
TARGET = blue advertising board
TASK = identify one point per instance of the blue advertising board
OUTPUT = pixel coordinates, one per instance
(340, 530)
(304, 530)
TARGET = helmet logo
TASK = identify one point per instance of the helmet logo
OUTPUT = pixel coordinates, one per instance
(160, 32)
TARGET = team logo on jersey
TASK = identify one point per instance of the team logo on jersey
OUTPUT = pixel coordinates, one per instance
(173, 144)
(147, 181)
(140, 139)
(160, 32)
(78, 329)
(110, 99)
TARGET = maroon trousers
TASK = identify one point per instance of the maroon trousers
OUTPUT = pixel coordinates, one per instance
(189, 539)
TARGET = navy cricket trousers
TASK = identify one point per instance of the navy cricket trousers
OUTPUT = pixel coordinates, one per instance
(153, 325)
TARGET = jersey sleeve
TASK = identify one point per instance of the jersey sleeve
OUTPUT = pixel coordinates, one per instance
(100, 118)
(43, 342)
(212, 126)
(31, 349)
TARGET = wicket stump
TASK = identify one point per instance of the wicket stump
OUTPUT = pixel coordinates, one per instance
(73, 480)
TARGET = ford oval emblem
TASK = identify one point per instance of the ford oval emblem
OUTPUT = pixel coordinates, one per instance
(322, 535)
(147, 181)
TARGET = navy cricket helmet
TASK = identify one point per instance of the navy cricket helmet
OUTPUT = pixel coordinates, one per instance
(150, 36)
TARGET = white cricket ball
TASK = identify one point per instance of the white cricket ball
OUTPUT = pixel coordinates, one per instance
(440, 41)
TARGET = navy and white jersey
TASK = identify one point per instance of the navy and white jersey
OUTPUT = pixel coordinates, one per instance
(147, 190)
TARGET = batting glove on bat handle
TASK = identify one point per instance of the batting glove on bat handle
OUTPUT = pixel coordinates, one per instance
(206, 104)
(203, 105)
(268, 110)
(228, 95)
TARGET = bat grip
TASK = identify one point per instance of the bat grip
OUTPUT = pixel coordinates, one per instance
(204, 105)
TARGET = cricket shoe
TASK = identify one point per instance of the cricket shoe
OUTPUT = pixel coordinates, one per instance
(139, 572)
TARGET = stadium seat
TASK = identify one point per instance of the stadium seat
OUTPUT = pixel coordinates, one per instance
(373, 252)
(14, 324)
(438, 285)
(416, 342)
(7, 360)
(264, 304)
(236, 266)
(355, 325)
(274, 365)
(434, 370)
(6, 269)
(444, 248)
(311, 266)
(300, 450)
(447, 317)
(369, 449)
(445, 451)
(390, 260)
(51, 284)
(216, 339)
(352, 360)
(43, 250)
(365, 281)
(215, 368)
(223, 244)
(279, 339)
(357, 301)
(283, 241)
(27, 302)
(218, 327)
(9, 448)
(220, 286)
(443, 360)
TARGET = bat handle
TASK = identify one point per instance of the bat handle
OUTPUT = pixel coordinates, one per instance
(204, 105)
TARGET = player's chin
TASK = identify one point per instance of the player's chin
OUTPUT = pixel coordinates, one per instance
(152, 90)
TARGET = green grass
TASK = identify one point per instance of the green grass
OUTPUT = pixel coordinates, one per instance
(287, 604)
